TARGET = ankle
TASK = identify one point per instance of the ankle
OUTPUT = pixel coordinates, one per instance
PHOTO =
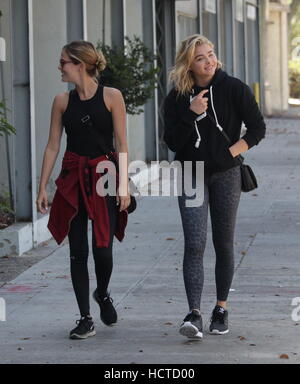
(222, 304)
(102, 295)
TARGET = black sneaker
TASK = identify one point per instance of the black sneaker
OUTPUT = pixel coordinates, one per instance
(84, 329)
(108, 313)
(219, 321)
(192, 326)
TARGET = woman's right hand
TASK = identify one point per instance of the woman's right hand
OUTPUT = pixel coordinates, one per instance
(42, 202)
(200, 104)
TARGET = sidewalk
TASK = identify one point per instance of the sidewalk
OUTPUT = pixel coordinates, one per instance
(147, 284)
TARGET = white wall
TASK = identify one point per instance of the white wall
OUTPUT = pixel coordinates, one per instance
(50, 35)
(136, 124)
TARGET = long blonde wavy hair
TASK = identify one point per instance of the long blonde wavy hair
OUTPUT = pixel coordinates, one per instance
(180, 74)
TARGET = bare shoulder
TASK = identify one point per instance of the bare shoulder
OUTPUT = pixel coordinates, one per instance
(60, 102)
(111, 97)
(112, 92)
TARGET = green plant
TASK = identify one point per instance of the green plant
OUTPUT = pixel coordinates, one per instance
(6, 213)
(131, 70)
(294, 78)
(5, 127)
(4, 201)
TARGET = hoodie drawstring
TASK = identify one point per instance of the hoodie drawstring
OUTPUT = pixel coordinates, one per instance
(200, 117)
(213, 108)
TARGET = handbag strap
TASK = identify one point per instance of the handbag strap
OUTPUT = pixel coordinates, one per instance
(89, 124)
(240, 158)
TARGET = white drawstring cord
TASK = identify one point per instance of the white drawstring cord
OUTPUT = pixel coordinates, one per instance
(213, 108)
(197, 144)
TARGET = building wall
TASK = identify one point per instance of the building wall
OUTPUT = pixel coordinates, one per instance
(275, 58)
(99, 21)
(135, 124)
(49, 38)
(6, 91)
(51, 23)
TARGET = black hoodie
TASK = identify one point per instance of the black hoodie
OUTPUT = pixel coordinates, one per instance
(233, 103)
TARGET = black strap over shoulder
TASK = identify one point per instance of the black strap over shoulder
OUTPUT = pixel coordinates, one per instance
(240, 158)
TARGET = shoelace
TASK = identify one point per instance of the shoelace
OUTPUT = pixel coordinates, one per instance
(107, 298)
(83, 321)
(218, 316)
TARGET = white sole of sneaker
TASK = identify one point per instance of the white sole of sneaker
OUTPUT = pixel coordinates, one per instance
(217, 332)
(189, 330)
(81, 337)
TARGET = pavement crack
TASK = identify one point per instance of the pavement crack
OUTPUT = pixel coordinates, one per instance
(246, 251)
(165, 253)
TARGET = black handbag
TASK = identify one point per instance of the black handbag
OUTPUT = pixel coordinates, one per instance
(249, 181)
(87, 121)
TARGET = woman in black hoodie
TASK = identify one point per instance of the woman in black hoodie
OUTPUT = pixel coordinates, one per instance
(205, 101)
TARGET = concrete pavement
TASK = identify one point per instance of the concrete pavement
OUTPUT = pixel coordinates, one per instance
(147, 284)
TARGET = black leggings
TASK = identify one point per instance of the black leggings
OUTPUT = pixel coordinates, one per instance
(222, 192)
(79, 251)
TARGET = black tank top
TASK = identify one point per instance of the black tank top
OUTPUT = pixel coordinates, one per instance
(79, 139)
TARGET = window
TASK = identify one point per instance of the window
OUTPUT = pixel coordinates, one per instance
(226, 35)
(210, 22)
(240, 40)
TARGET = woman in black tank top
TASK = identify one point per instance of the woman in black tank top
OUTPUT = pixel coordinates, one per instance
(80, 64)
(78, 140)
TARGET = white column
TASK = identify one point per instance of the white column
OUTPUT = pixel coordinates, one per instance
(84, 11)
(32, 118)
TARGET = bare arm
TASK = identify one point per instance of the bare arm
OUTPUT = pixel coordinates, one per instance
(51, 151)
(115, 103)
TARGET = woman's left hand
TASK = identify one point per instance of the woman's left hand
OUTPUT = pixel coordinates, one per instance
(123, 201)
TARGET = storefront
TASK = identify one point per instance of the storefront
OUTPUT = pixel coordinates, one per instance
(36, 30)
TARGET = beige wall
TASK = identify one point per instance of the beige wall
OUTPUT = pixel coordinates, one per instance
(275, 57)
(48, 38)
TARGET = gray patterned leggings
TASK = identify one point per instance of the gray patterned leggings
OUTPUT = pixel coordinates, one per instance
(222, 192)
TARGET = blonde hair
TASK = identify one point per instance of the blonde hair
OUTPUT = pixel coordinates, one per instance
(180, 74)
(81, 51)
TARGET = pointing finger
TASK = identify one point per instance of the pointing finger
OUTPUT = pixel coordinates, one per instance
(202, 93)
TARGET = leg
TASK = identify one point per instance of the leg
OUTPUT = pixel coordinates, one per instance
(225, 191)
(79, 250)
(103, 267)
(194, 222)
(103, 256)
